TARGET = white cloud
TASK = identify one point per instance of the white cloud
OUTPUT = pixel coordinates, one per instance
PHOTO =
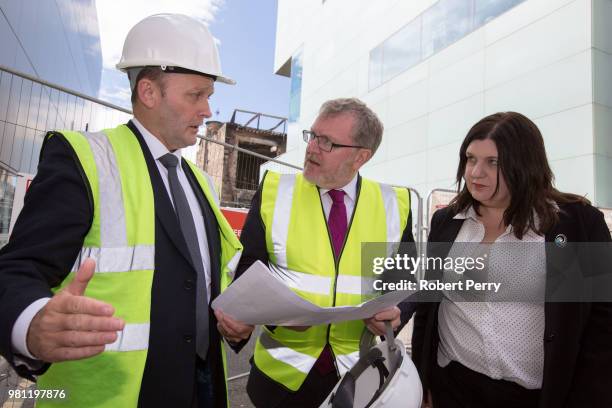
(115, 19)
(115, 88)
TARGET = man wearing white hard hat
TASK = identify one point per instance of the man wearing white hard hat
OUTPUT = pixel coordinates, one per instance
(120, 246)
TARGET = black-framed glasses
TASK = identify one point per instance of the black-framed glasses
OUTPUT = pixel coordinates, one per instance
(323, 141)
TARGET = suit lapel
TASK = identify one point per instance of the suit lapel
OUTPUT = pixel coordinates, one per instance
(164, 211)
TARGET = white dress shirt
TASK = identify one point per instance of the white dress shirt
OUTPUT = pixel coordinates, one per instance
(157, 149)
(503, 340)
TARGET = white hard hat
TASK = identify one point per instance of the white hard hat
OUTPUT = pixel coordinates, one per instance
(384, 376)
(172, 41)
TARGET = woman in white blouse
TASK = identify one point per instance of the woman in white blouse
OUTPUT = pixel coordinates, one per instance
(522, 351)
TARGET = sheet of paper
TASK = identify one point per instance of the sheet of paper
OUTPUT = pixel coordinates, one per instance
(258, 297)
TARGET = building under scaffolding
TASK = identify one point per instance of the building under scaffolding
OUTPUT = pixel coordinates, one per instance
(234, 173)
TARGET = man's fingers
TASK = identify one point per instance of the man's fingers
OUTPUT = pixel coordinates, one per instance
(376, 329)
(82, 322)
(388, 314)
(227, 334)
(81, 305)
(81, 278)
(68, 345)
(234, 329)
(237, 327)
(78, 339)
(375, 326)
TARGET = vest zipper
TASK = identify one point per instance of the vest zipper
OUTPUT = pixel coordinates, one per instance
(337, 259)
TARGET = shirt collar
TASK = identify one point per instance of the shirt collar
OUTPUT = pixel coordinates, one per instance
(156, 147)
(471, 214)
(468, 213)
(350, 189)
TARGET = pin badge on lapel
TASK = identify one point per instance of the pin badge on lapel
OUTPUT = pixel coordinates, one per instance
(561, 240)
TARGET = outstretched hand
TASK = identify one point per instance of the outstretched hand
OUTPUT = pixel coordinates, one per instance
(72, 326)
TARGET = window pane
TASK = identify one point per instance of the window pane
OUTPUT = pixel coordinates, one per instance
(376, 67)
(444, 23)
(86, 117)
(295, 95)
(53, 110)
(43, 111)
(62, 112)
(26, 153)
(402, 50)
(17, 147)
(34, 105)
(7, 143)
(70, 112)
(24, 103)
(8, 183)
(13, 100)
(486, 10)
(5, 91)
(38, 139)
(78, 114)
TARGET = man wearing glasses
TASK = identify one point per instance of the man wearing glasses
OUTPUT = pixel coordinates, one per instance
(308, 228)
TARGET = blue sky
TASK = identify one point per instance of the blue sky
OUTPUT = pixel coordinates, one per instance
(246, 32)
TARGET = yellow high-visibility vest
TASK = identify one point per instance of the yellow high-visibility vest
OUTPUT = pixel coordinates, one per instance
(300, 253)
(122, 242)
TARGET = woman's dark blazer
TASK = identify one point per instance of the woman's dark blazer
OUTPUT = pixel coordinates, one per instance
(577, 336)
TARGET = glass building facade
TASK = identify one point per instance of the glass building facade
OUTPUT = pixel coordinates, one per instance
(431, 69)
(50, 70)
(442, 24)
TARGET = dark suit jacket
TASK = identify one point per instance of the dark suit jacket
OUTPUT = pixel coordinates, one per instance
(253, 239)
(577, 337)
(48, 235)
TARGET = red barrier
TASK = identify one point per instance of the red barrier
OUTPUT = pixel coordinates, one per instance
(236, 218)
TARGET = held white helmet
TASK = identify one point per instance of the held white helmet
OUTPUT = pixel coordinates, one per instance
(384, 376)
(174, 42)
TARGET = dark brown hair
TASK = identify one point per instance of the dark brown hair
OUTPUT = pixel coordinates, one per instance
(523, 164)
(154, 74)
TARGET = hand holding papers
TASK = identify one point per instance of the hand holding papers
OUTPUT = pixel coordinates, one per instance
(258, 297)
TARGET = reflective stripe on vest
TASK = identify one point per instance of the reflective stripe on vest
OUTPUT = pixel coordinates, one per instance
(133, 337)
(300, 361)
(122, 259)
(300, 254)
(302, 281)
(346, 362)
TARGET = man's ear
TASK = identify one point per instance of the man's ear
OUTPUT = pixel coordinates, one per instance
(362, 157)
(149, 92)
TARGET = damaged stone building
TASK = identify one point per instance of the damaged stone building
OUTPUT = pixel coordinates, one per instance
(235, 173)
